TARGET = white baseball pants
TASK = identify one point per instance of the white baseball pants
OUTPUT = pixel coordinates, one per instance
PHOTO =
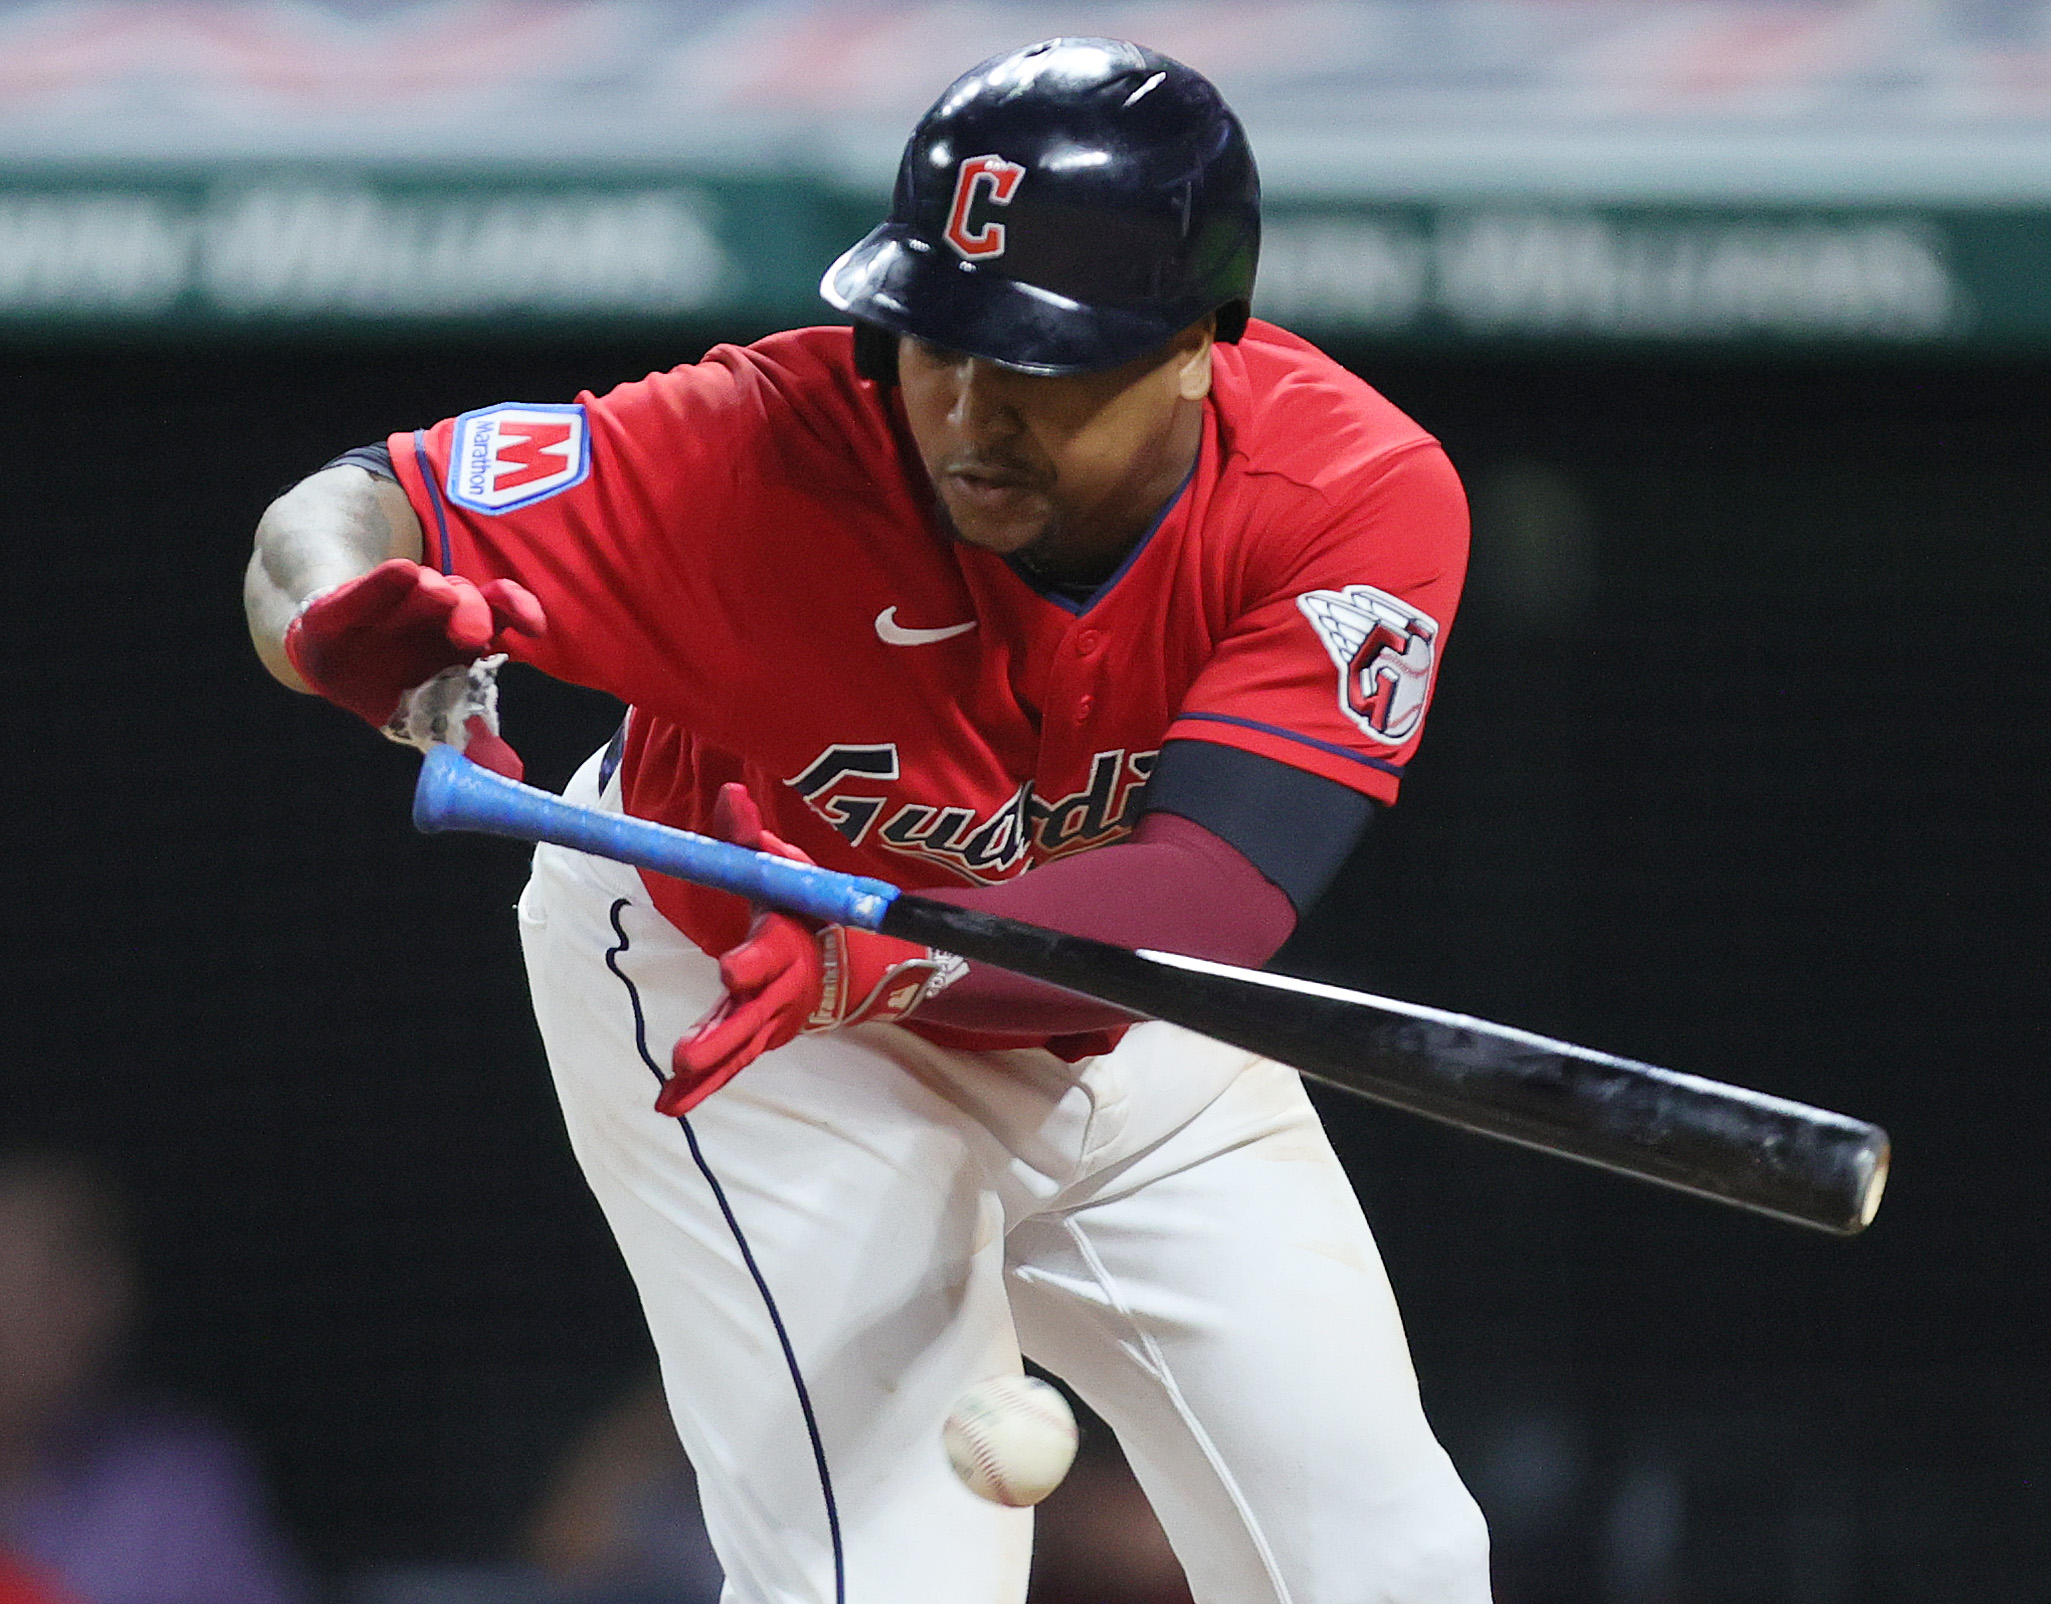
(835, 1246)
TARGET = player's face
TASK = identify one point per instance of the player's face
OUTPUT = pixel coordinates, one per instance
(1069, 470)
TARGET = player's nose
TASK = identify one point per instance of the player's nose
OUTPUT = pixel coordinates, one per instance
(982, 408)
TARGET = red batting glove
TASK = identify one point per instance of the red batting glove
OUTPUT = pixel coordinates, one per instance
(790, 978)
(364, 644)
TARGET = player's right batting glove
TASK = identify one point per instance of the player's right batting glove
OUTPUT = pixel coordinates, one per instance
(792, 977)
(399, 647)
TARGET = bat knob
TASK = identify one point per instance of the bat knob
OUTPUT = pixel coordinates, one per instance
(446, 795)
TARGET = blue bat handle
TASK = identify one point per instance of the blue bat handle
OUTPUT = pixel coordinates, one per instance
(455, 794)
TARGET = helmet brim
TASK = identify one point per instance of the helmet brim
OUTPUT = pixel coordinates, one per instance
(906, 284)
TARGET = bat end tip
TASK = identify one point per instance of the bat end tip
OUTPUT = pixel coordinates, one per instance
(1875, 1162)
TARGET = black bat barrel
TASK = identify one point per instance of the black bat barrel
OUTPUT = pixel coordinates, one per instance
(1759, 1152)
(1741, 1147)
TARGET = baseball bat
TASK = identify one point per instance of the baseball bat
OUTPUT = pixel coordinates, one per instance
(1759, 1152)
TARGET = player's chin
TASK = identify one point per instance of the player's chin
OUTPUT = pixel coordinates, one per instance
(1001, 519)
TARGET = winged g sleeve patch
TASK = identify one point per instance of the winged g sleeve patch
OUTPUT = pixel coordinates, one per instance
(1385, 651)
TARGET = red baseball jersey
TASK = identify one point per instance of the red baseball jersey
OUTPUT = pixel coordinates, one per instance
(746, 550)
(18, 1586)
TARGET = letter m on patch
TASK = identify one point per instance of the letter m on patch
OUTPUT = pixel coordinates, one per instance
(514, 455)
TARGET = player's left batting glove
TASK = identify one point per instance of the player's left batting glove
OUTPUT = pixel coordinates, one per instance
(791, 977)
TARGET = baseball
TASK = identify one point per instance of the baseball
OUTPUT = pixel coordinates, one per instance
(1011, 1439)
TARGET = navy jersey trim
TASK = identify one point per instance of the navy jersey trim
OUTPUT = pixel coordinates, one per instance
(609, 765)
(441, 521)
(1300, 739)
(1297, 828)
(790, 1357)
(374, 460)
(1078, 605)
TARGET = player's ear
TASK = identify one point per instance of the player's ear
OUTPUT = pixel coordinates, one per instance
(1193, 359)
(875, 353)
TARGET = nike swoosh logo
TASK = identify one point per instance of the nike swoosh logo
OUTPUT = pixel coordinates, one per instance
(892, 633)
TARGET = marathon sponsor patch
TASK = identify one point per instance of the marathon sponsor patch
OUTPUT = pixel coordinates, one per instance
(513, 455)
(1385, 650)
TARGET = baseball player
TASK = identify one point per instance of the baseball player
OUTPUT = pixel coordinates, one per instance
(1056, 588)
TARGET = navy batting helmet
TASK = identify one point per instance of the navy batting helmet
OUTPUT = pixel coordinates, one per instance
(1061, 209)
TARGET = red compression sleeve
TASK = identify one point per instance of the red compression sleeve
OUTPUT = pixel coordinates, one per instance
(1174, 887)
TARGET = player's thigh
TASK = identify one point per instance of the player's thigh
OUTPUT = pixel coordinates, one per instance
(1224, 1307)
(818, 1256)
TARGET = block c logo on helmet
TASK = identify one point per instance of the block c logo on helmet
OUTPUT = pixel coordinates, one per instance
(1002, 177)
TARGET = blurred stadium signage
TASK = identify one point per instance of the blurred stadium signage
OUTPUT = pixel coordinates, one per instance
(300, 250)
(320, 250)
(1444, 172)
(1534, 273)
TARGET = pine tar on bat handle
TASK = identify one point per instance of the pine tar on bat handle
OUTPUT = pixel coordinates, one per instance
(1759, 1152)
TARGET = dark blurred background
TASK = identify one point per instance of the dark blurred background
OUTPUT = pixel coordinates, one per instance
(1738, 764)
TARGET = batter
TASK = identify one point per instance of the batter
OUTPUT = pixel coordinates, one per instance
(1058, 587)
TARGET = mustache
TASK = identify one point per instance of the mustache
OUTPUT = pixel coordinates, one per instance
(1002, 469)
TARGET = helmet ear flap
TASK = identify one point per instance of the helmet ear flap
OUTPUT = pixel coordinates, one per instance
(875, 353)
(1231, 321)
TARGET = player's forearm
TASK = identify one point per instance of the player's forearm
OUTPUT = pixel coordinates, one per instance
(329, 528)
(1174, 887)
